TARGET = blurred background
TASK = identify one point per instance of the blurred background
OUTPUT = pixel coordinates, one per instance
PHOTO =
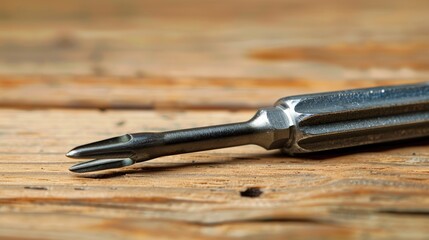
(192, 54)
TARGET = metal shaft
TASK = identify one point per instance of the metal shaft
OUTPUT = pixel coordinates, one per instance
(259, 130)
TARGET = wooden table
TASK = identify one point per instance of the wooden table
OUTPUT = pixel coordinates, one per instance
(73, 72)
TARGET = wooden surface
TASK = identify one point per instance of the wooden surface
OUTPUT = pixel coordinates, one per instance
(73, 72)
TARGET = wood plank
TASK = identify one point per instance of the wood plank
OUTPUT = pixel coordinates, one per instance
(236, 55)
(329, 40)
(163, 92)
(379, 192)
(204, 55)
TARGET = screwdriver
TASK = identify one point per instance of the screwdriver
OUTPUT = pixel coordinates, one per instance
(297, 124)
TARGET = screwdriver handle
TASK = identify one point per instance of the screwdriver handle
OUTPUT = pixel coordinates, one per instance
(356, 117)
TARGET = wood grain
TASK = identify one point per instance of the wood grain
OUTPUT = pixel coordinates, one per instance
(216, 39)
(162, 93)
(374, 191)
(142, 54)
(73, 72)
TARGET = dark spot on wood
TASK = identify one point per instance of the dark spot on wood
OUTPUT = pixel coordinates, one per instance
(35, 188)
(251, 192)
(79, 188)
(416, 212)
(414, 154)
(120, 123)
(102, 109)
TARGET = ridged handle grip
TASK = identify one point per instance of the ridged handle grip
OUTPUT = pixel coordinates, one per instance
(356, 117)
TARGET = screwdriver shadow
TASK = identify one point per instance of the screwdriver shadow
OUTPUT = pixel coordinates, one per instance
(372, 148)
(272, 156)
(165, 168)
